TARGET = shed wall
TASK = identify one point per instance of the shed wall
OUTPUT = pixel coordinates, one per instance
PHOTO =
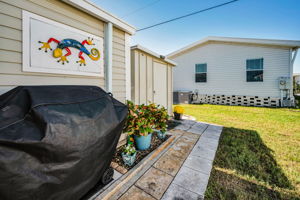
(226, 69)
(143, 77)
(11, 73)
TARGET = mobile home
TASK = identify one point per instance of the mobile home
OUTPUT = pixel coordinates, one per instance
(237, 71)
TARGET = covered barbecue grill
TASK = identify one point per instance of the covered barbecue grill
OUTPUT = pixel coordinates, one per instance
(57, 142)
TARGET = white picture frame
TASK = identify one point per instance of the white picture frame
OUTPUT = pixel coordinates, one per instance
(35, 60)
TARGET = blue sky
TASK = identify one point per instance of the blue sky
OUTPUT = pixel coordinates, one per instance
(272, 19)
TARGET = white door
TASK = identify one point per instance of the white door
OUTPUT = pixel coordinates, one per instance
(160, 84)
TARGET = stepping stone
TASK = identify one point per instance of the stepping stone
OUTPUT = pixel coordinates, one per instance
(212, 132)
(136, 193)
(176, 192)
(183, 127)
(191, 136)
(200, 164)
(182, 147)
(169, 164)
(200, 151)
(189, 122)
(192, 180)
(209, 141)
(198, 128)
(213, 135)
(154, 182)
(215, 127)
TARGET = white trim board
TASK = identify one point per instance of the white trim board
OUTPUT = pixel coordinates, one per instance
(26, 56)
(160, 57)
(98, 12)
(268, 42)
(128, 66)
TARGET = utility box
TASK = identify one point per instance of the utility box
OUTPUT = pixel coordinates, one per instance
(182, 97)
(284, 83)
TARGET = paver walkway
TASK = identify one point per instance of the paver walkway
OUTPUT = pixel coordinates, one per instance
(182, 172)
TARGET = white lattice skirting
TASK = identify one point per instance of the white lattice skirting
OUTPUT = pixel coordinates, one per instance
(236, 100)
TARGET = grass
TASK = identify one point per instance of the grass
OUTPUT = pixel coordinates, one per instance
(259, 152)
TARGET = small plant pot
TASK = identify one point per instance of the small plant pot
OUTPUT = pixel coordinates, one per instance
(161, 135)
(128, 159)
(177, 116)
(143, 142)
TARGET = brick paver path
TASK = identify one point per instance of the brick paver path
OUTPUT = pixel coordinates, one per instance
(182, 172)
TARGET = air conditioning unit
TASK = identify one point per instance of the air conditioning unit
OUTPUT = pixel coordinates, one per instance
(284, 83)
(287, 103)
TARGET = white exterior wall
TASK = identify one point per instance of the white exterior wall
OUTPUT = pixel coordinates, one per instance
(226, 69)
(11, 74)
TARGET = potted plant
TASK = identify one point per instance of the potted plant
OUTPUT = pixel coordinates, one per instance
(161, 118)
(178, 112)
(140, 122)
(129, 154)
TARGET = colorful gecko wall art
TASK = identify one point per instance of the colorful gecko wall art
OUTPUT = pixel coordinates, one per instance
(94, 54)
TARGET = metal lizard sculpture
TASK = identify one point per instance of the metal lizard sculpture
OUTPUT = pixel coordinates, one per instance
(94, 54)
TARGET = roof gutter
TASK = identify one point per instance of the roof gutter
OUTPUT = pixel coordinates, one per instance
(101, 14)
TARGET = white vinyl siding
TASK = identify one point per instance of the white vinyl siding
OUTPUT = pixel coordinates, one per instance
(227, 70)
(11, 73)
(151, 79)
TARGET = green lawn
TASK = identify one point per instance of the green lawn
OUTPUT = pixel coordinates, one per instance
(259, 152)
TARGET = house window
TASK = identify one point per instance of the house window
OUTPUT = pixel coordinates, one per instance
(201, 73)
(255, 70)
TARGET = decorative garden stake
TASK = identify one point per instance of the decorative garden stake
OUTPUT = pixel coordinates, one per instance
(94, 54)
(161, 135)
(129, 154)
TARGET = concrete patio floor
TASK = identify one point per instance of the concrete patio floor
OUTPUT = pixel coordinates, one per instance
(183, 170)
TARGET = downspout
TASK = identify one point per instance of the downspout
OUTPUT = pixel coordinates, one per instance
(128, 66)
(108, 56)
(293, 57)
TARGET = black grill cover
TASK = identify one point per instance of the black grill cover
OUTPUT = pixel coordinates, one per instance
(56, 141)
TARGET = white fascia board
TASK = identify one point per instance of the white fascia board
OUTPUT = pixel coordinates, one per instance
(284, 43)
(163, 58)
(98, 12)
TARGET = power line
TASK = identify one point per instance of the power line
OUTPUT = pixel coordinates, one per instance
(193, 13)
(142, 8)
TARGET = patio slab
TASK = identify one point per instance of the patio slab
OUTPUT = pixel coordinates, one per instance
(192, 180)
(154, 182)
(179, 193)
(203, 152)
(181, 171)
(136, 193)
(169, 164)
(183, 146)
(200, 164)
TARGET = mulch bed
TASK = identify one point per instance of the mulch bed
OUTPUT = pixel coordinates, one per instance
(155, 142)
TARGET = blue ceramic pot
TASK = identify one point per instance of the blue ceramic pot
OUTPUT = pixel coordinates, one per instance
(128, 159)
(143, 142)
(161, 135)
